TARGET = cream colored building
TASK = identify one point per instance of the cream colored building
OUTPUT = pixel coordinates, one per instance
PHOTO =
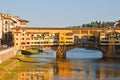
(7, 22)
(0, 29)
(110, 37)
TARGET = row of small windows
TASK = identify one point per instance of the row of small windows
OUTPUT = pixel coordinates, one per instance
(66, 42)
(12, 23)
(23, 43)
(110, 38)
(83, 32)
(37, 38)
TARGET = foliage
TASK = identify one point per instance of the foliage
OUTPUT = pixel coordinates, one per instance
(99, 24)
(96, 24)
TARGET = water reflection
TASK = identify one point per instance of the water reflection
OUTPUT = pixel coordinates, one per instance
(73, 68)
(77, 69)
(37, 74)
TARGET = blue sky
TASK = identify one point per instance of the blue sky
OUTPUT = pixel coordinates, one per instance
(62, 13)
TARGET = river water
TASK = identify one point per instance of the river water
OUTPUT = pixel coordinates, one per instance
(81, 64)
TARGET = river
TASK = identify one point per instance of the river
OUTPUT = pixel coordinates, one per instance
(81, 64)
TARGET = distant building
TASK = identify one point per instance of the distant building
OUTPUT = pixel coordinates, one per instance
(117, 24)
(8, 21)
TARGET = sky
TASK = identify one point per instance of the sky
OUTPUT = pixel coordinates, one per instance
(62, 13)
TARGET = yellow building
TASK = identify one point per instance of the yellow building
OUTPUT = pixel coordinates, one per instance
(26, 37)
(110, 37)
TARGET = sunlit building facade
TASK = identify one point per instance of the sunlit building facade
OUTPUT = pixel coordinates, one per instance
(34, 37)
(7, 22)
(29, 37)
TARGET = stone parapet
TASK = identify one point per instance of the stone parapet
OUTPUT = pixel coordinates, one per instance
(6, 54)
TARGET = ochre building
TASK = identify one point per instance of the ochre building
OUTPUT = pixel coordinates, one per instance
(28, 37)
(25, 37)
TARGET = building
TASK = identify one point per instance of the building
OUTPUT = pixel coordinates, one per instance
(7, 22)
(0, 30)
(117, 24)
(110, 37)
(28, 37)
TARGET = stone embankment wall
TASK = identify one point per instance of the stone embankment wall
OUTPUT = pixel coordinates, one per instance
(6, 54)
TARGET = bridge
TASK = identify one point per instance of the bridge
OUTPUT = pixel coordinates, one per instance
(64, 39)
(108, 50)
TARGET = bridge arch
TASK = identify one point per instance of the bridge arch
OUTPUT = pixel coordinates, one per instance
(76, 39)
(84, 39)
(92, 38)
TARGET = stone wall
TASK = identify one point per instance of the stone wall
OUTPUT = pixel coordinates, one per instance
(6, 54)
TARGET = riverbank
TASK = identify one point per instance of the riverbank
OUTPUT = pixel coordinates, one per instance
(7, 66)
(30, 51)
(10, 68)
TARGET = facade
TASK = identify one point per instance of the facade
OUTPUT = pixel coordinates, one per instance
(110, 37)
(35, 37)
(29, 37)
(7, 22)
(26, 37)
(0, 30)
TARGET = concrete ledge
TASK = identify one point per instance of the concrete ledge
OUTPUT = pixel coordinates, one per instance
(6, 54)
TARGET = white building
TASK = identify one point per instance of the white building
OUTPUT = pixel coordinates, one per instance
(7, 22)
(0, 30)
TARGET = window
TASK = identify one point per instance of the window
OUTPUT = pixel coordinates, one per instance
(16, 38)
(84, 32)
(5, 29)
(6, 22)
(16, 34)
(12, 23)
(16, 43)
(27, 34)
(28, 42)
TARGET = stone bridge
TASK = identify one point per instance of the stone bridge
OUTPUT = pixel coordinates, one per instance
(61, 50)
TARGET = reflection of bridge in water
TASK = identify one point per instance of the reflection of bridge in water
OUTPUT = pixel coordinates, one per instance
(70, 70)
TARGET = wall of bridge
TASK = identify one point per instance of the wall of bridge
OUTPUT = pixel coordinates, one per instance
(6, 54)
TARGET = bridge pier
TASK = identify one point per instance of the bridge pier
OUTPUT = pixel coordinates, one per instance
(61, 52)
(109, 51)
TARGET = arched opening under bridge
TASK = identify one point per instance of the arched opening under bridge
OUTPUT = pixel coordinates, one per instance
(76, 39)
(84, 53)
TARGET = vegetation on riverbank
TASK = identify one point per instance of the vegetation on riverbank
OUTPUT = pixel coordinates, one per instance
(10, 69)
(7, 66)
(30, 51)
